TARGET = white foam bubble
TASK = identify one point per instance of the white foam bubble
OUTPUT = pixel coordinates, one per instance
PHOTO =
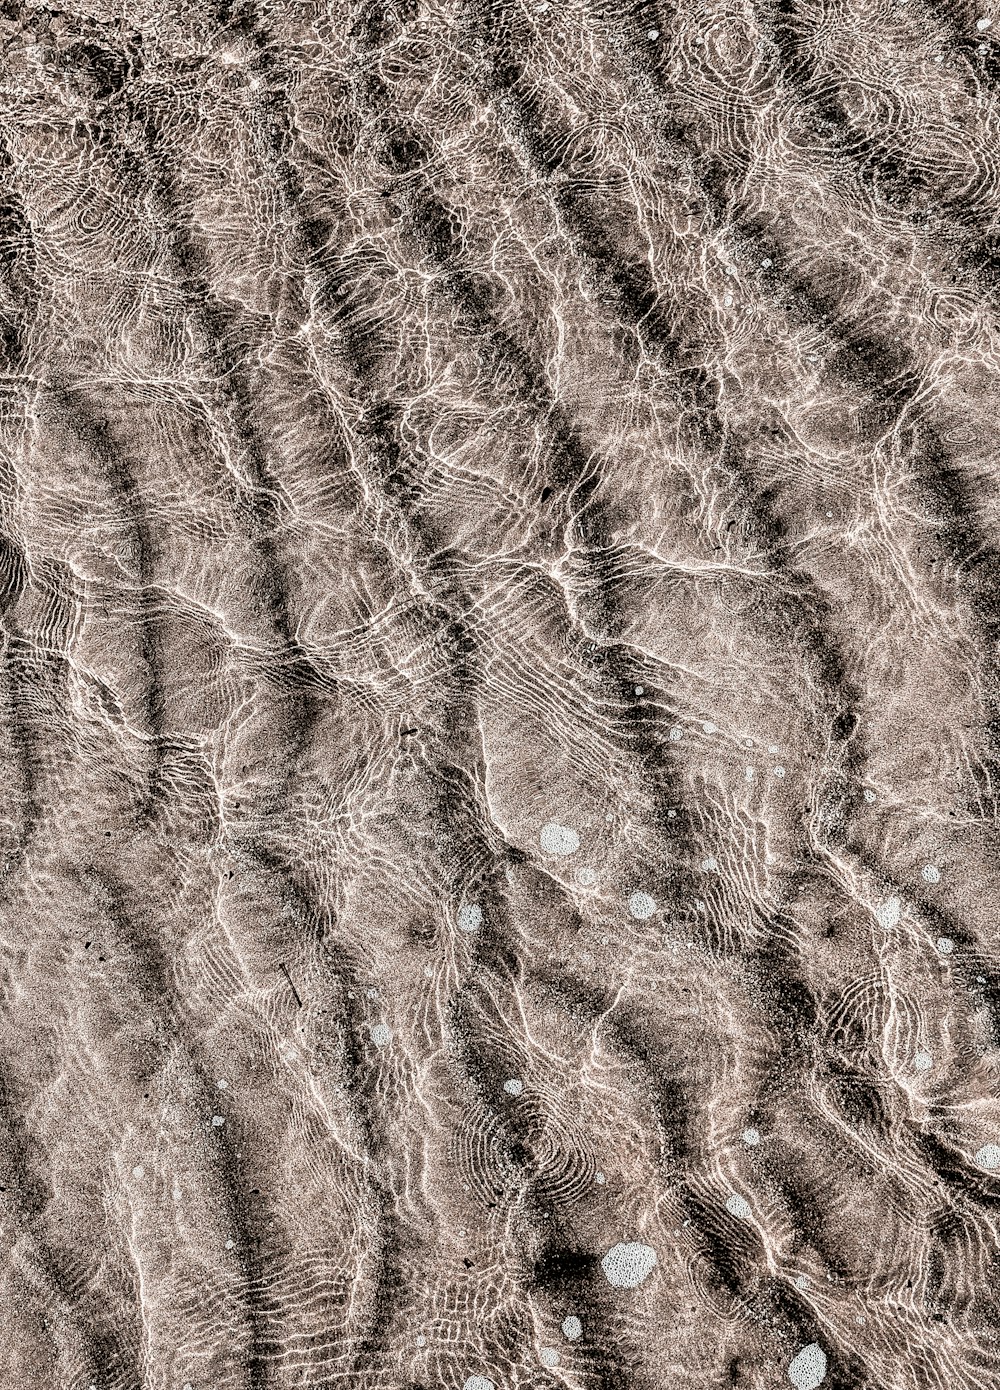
(628, 1265)
(708, 726)
(751, 1136)
(381, 1034)
(478, 1383)
(139, 1171)
(778, 771)
(808, 1368)
(548, 1356)
(572, 1328)
(652, 33)
(868, 795)
(889, 913)
(739, 1206)
(676, 734)
(983, 24)
(601, 1179)
(586, 877)
(558, 839)
(470, 917)
(930, 873)
(801, 1281)
(218, 1121)
(710, 865)
(513, 1087)
(421, 1340)
(945, 945)
(989, 1156)
(923, 1061)
(641, 906)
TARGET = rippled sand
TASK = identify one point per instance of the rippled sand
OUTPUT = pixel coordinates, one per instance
(499, 696)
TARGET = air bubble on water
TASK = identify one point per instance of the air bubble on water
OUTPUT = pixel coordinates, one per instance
(558, 839)
(586, 877)
(222, 1085)
(548, 1356)
(923, 1061)
(381, 1034)
(572, 1328)
(708, 726)
(479, 1383)
(470, 917)
(421, 1340)
(218, 1121)
(641, 906)
(779, 771)
(739, 1206)
(808, 1369)
(600, 1178)
(751, 1136)
(989, 1156)
(889, 912)
(983, 24)
(139, 1171)
(945, 945)
(652, 33)
(628, 1265)
(930, 873)
(710, 865)
(676, 734)
(513, 1087)
(869, 795)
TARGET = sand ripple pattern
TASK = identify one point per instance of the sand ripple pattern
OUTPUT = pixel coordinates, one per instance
(499, 695)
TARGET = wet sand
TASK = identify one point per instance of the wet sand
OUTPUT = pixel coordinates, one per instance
(499, 697)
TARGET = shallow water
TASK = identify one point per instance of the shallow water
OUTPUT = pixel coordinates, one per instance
(499, 697)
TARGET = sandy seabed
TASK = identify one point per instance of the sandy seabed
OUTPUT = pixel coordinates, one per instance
(499, 696)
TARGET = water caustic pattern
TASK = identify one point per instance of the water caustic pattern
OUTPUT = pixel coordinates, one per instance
(499, 695)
